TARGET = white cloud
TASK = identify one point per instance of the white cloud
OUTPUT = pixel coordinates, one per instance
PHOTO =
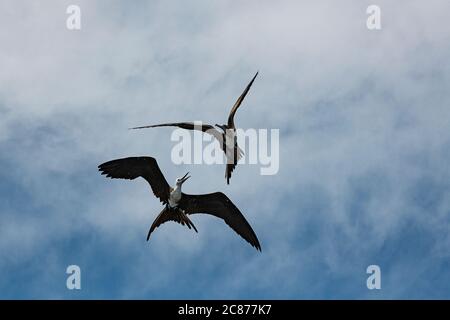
(359, 111)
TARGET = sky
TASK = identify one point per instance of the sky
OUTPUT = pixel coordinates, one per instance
(363, 116)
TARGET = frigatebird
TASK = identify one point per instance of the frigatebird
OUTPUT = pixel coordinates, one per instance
(227, 138)
(178, 205)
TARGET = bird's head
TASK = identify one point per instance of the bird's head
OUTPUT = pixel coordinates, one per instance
(181, 180)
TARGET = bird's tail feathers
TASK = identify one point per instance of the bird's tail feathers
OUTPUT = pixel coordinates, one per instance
(168, 214)
(184, 220)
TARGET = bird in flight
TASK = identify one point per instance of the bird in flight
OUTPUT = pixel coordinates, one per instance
(226, 137)
(178, 205)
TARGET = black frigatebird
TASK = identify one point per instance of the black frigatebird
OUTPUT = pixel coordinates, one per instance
(227, 138)
(179, 205)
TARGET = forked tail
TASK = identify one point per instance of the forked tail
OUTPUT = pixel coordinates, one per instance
(171, 214)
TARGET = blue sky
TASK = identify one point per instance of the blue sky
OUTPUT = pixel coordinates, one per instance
(364, 148)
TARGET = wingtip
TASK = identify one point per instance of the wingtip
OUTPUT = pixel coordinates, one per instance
(143, 127)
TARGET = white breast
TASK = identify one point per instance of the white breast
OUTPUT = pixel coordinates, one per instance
(175, 197)
(229, 140)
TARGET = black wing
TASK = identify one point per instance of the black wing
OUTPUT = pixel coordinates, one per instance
(218, 204)
(238, 103)
(133, 167)
(185, 125)
(188, 126)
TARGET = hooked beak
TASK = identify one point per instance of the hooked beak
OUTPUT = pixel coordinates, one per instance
(184, 178)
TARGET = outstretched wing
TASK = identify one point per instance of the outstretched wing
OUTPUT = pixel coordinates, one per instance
(238, 103)
(207, 128)
(218, 204)
(133, 167)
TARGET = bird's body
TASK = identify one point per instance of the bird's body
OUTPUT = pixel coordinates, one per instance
(227, 138)
(178, 205)
(174, 197)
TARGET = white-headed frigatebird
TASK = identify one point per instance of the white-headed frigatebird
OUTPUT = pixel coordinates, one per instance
(178, 205)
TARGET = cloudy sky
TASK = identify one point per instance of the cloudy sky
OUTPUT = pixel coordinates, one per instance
(364, 148)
